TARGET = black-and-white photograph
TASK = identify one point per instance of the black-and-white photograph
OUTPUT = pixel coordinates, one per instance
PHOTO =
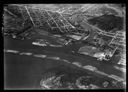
(64, 46)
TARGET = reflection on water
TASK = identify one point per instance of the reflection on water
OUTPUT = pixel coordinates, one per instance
(51, 80)
(63, 79)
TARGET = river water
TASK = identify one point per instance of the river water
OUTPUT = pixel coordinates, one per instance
(26, 71)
